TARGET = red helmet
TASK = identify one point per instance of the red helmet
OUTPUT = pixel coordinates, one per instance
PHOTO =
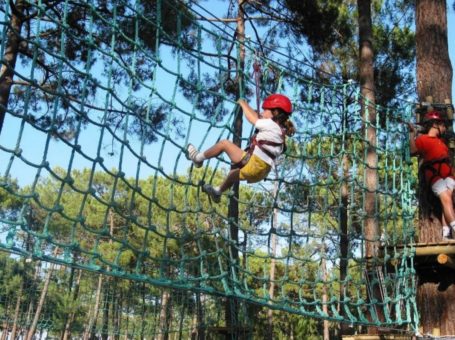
(277, 101)
(433, 115)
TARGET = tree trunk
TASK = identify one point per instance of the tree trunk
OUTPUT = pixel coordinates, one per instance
(325, 308)
(127, 321)
(366, 56)
(434, 70)
(30, 308)
(198, 331)
(17, 310)
(116, 307)
(233, 208)
(94, 316)
(106, 307)
(436, 291)
(344, 239)
(42, 299)
(71, 316)
(144, 306)
(107, 284)
(273, 245)
(164, 316)
(5, 326)
(369, 113)
(8, 66)
(70, 289)
(273, 242)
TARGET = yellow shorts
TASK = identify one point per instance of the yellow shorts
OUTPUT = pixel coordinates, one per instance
(255, 170)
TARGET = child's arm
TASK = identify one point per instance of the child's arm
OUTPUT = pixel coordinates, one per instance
(250, 114)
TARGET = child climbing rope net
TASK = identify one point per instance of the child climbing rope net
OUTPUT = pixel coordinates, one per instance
(266, 145)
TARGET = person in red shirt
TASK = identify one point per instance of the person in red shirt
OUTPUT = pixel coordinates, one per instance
(436, 169)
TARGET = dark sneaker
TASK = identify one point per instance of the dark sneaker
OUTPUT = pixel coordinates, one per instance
(214, 194)
(191, 155)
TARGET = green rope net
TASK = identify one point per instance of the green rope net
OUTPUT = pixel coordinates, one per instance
(93, 173)
(79, 304)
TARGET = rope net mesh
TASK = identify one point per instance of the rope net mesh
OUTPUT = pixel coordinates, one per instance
(81, 304)
(94, 176)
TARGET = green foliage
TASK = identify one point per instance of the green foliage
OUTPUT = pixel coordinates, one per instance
(286, 326)
(323, 23)
(330, 29)
(10, 203)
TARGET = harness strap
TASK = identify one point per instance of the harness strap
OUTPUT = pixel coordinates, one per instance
(259, 143)
(428, 202)
(243, 161)
(429, 165)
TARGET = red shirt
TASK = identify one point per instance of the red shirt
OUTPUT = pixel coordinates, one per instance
(432, 148)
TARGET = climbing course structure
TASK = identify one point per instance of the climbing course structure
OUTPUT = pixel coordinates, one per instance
(99, 100)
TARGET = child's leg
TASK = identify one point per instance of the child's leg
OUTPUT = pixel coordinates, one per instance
(445, 228)
(232, 150)
(231, 178)
(447, 207)
(215, 193)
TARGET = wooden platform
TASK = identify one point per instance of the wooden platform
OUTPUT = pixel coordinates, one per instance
(432, 255)
(428, 249)
(376, 337)
(433, 262)
(425, 249)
